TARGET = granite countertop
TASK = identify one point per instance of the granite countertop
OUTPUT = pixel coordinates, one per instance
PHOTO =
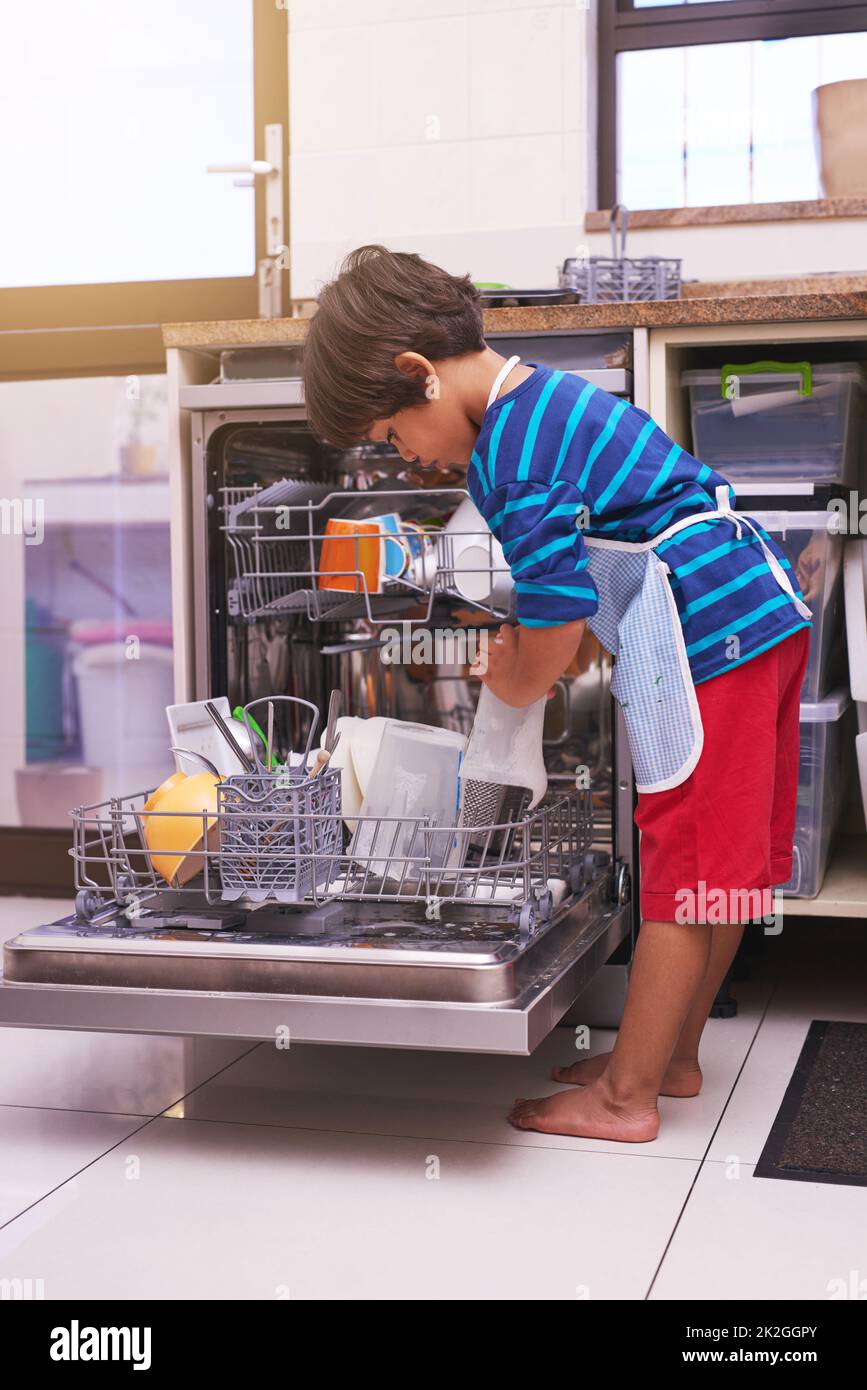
(778, 301)
(727, 214)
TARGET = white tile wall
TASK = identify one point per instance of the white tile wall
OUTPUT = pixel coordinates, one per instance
(462, 129)
(455, 128)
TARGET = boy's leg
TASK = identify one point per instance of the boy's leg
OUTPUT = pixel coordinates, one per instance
(671, 960)
(682, 1076)
(725, 940)
(669, 968)
(784, 671)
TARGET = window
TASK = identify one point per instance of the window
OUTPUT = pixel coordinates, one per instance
(126, 105)
(707, 102)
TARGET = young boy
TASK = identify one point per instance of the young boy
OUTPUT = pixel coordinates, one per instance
(603, 520)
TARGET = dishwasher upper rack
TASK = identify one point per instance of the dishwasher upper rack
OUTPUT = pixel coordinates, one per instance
(508, 867)
(278, 576)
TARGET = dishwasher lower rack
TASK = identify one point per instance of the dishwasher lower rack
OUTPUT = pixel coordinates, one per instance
(272, 851)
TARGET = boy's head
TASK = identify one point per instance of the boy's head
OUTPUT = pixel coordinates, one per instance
(381, 355)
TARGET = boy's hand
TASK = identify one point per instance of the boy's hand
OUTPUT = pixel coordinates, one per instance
(497, 662)
(522, 663)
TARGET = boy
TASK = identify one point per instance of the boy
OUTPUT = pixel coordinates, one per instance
(603, 519)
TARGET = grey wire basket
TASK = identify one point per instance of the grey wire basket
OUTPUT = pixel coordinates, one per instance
(279, 836)
(618, 277)
(280, 831)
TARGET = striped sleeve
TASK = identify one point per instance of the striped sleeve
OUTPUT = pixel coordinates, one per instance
(538, 528)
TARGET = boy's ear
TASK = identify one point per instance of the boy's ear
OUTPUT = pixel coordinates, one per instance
(414, 365)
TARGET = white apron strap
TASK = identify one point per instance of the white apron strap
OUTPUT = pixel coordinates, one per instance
(724, 509)
(499, 379)
(779, 573)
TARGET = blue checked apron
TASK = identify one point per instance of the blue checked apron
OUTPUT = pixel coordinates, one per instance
(638, 622)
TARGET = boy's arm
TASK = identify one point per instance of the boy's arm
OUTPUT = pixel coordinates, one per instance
(522, 663)
(536, 525)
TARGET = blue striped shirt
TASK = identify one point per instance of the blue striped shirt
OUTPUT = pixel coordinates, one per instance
(556, 449)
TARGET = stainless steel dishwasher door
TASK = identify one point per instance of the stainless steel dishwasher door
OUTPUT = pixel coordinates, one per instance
(499, 996)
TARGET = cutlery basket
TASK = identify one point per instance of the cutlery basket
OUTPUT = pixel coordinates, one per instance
(279, 835)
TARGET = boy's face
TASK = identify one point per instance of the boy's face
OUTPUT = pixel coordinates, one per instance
(438, 434)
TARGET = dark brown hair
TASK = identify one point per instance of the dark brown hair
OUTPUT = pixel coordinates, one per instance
(381, 304)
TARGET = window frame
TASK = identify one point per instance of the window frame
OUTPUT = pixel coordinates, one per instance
(623, 29)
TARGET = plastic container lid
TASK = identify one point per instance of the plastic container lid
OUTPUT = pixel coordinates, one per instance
(822, 371)
(829, 710)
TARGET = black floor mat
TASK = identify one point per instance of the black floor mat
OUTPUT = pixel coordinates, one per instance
(820, 1133)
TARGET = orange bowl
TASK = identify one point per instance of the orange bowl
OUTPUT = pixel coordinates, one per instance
(173, 831)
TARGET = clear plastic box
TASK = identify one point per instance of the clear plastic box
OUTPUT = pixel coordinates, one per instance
(821, 787)
(816, 556)
(770, 430)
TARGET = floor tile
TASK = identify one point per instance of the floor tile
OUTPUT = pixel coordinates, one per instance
(761, 1238)
(40, 1149)
(238, 1211)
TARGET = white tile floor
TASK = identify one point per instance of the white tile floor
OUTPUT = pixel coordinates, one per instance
(150, 1167)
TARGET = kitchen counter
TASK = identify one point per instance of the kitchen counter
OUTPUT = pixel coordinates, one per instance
(812, 301)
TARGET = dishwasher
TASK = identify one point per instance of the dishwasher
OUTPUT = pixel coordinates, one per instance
(424, 936)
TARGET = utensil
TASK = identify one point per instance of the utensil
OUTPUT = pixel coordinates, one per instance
(238, 714)
(199, 757)
(191, 730)
(334, 704)
(323, 757)
(236, 748)
(295, 762)
(270, 744)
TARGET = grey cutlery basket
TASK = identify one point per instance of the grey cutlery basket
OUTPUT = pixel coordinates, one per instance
(280, 835)
(618, 277)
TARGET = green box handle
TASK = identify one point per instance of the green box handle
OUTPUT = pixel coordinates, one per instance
(801, 369)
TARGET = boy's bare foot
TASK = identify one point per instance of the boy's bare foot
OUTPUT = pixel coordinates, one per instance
(587, 1114)
(682, 1075)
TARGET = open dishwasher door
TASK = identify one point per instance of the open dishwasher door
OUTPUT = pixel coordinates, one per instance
(454, 985)
(253, 619)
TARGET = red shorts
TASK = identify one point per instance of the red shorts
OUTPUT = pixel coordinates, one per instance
(723, 838)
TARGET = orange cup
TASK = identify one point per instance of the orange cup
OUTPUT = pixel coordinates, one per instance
(349, 547)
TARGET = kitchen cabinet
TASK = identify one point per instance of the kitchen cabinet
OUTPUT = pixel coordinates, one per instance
(671, 350)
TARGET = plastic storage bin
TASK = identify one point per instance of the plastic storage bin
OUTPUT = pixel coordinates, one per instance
(821, 785)
(816, 556)
(799, 424)
(122, 713)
